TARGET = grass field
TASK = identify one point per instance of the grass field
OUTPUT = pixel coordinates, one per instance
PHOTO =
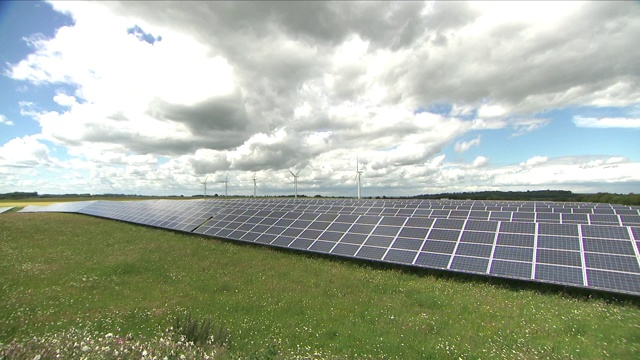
(76, 282)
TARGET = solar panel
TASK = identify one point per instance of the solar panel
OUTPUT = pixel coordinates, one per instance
(573, 244)
(5, 209)
(31, 208)
(72, 207)
(511, 269)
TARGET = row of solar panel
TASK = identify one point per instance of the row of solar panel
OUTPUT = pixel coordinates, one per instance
(428, 211)
(457, 252)
(195, 215)
(430, 239)
(596, 256)
(74, 206)
(175, 215)
(351, 205)
(398, 239)
(344, 206)
(629, 220)
(199, 211)
(587, 219)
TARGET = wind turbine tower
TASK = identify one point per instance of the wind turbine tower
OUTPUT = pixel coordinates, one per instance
(205, 186)
(358, 175)
(295, 182)
(255, 186)
(226, 186)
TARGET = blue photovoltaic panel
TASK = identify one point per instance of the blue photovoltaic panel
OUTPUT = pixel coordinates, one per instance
(573, 244)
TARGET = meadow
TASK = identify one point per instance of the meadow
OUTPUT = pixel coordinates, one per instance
(96, 288)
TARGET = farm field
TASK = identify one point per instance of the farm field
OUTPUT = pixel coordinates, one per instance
(72, 281)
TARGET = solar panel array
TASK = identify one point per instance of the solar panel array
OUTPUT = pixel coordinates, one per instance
(574, 244)
(5, 209)
(70, 207)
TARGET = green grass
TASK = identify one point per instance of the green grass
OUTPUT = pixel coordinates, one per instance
(61, 272)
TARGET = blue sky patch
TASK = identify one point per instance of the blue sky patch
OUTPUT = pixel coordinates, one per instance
(143, 36)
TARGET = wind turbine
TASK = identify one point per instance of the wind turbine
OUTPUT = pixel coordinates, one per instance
(205, 186)
(358, 174)
(226, 185)
(255, 186)
(295, 182)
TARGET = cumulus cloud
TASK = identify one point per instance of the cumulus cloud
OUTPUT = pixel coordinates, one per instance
(64, 99)
(168, 97)
(26, 151)
(462, 146)
(480, 161)
(277, 151)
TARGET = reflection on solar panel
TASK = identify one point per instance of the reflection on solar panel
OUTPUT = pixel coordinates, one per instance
(32, 208)
(574, 244)
(70, 207)
(6, 208)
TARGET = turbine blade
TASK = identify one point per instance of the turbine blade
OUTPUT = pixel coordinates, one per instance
(298, 172)
(292, 173)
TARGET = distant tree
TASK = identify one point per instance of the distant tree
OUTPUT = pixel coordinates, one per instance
(19, 195)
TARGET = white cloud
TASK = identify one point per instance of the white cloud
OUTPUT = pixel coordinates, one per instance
(5, 121)
(462, 146)
(535, 161)
(480, 161)
(121, 92)
(438, 161)
(26, 151)
(351, 51)
(491, 111)
(591, 122)
(569, 173)
(64, 100)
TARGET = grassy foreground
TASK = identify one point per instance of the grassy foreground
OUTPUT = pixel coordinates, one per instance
(76, 282)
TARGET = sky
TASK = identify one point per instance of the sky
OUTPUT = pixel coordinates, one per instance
(156, 98)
